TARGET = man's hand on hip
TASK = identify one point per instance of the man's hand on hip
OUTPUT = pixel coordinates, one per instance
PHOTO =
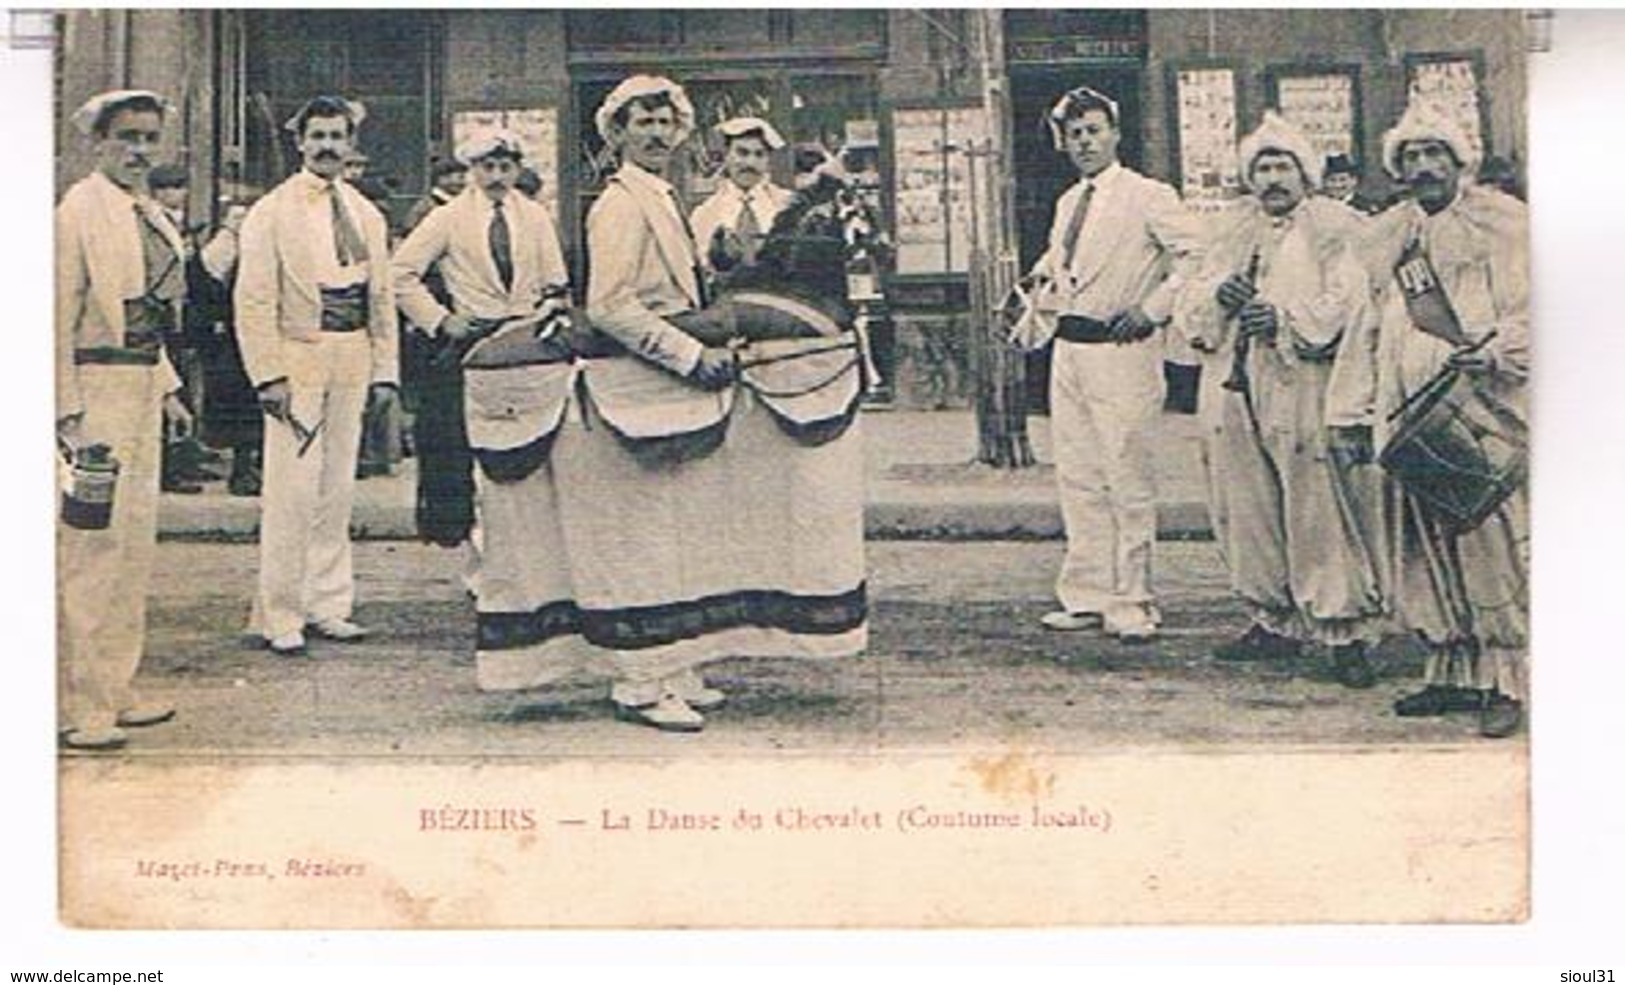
(1131, 325)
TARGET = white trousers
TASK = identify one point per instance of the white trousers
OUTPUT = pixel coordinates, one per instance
(305, 567)
(102, 574)
(1105, 401)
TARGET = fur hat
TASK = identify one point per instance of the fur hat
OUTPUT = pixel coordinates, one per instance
(1427, 121)
(1275, 133)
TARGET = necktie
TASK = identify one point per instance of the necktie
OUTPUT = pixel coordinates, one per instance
(749, 232)
(347, 242)
(1074, 227)
(501, 245)
(162, 267)
(693, 250)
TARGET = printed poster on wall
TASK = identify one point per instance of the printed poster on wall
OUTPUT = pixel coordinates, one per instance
(1206, 101)
(1322, 106)
(932, 179)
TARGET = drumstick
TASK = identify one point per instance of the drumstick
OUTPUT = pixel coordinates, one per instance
(1444, 371)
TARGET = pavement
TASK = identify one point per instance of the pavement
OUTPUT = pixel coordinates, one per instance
(957, 659)
(961, 565)
(923, 483)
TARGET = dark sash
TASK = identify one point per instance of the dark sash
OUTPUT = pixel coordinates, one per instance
(345, 309)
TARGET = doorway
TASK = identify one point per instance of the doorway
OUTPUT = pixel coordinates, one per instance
(1043, 173)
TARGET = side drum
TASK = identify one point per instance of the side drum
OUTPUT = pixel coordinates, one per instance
(1458, 449)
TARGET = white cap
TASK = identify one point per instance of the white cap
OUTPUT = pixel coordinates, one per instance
(744, 126)
(484, 143)
(640, 87)
(1424, 120)
(102, 105)
(1276, 133)
(1063, 108)
(354, 109)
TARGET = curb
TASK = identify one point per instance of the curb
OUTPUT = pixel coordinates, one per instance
(884, 521)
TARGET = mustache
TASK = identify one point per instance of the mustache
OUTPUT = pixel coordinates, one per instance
(327, 155)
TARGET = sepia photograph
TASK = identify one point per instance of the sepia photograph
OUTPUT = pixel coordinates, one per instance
(830, 468)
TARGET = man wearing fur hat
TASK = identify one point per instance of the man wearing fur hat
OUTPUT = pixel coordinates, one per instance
(1280, 290)
(498, 254)
(120, 280)
(730, 225)
(316, 323)
(1450, 266)
(1120, 246)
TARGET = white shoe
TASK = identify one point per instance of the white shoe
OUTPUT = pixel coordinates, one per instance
(1066, 622)
(338, 630)
(101, 739)
(144, 715)
(1134, 625)
(287, 644)
(691, 687)
(1136, 635)
(669, 714)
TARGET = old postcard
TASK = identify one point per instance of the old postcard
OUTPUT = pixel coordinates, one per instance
(792, 468)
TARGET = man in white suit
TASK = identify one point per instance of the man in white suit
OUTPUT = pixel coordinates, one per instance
(499, 257)
(316, 324)
(1120, 247)
(730, 225)
(120, 278)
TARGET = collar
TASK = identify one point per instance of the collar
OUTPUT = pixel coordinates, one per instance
(757, 193)
(313, 184)
(109, 186)
(650, 182)
(485, 206)
(441, 195)
(1106, 178)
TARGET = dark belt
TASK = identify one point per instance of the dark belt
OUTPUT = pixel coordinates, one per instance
(112, 355)
(1076, 328)
(344, 309)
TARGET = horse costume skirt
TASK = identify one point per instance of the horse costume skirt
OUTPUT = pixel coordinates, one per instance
(697, 526)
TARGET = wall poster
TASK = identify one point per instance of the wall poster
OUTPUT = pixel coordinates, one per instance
(1324, 105)
(931, 151)
(1204, 102)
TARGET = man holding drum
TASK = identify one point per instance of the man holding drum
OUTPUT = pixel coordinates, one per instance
(1280, 288)
(1450, 267)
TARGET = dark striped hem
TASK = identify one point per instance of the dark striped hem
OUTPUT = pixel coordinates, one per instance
(659, 625)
